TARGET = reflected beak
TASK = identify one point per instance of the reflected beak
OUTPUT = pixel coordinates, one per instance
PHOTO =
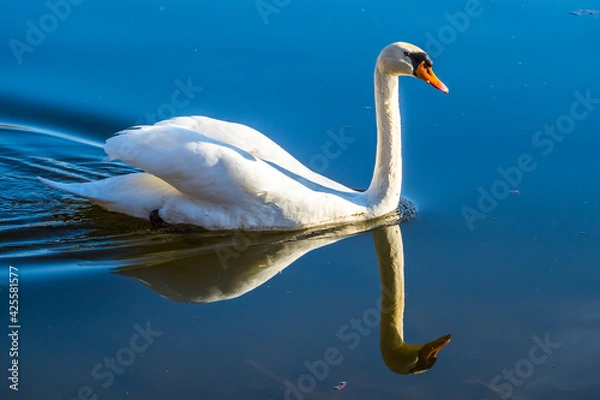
(434, 347)
(426, 74)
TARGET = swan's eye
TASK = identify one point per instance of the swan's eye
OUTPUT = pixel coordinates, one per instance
(406, 53)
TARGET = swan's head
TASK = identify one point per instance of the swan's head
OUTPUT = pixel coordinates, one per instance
(405, 59)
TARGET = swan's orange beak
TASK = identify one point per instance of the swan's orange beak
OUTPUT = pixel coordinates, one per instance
(426, 74)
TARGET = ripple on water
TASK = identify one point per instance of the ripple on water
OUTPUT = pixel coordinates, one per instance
(35, 220)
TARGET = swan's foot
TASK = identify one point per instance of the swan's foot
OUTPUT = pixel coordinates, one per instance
(156, 221)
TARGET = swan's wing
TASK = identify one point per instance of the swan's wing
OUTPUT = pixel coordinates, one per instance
(237, 135)
(253, 142)
(199, 166)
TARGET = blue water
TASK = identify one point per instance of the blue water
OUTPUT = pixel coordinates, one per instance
(500, 263)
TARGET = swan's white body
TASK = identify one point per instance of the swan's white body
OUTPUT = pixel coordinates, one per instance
(224, 176)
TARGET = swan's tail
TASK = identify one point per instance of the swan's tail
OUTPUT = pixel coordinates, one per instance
(134, 194)
(89, 190)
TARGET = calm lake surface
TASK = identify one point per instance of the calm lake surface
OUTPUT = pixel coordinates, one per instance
(504, 172)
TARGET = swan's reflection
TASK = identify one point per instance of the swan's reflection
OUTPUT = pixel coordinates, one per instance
(399, 356)
(233, 266)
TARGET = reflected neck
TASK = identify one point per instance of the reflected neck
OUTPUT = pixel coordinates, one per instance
(389, 248)
(398, 355)
(384, 191)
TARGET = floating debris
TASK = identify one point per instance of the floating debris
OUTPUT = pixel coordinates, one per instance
(582, 12)
(340, 385)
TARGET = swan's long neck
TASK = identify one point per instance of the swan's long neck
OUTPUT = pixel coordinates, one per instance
(383, 194)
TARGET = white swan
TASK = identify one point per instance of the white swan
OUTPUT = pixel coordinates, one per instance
(224, 176)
